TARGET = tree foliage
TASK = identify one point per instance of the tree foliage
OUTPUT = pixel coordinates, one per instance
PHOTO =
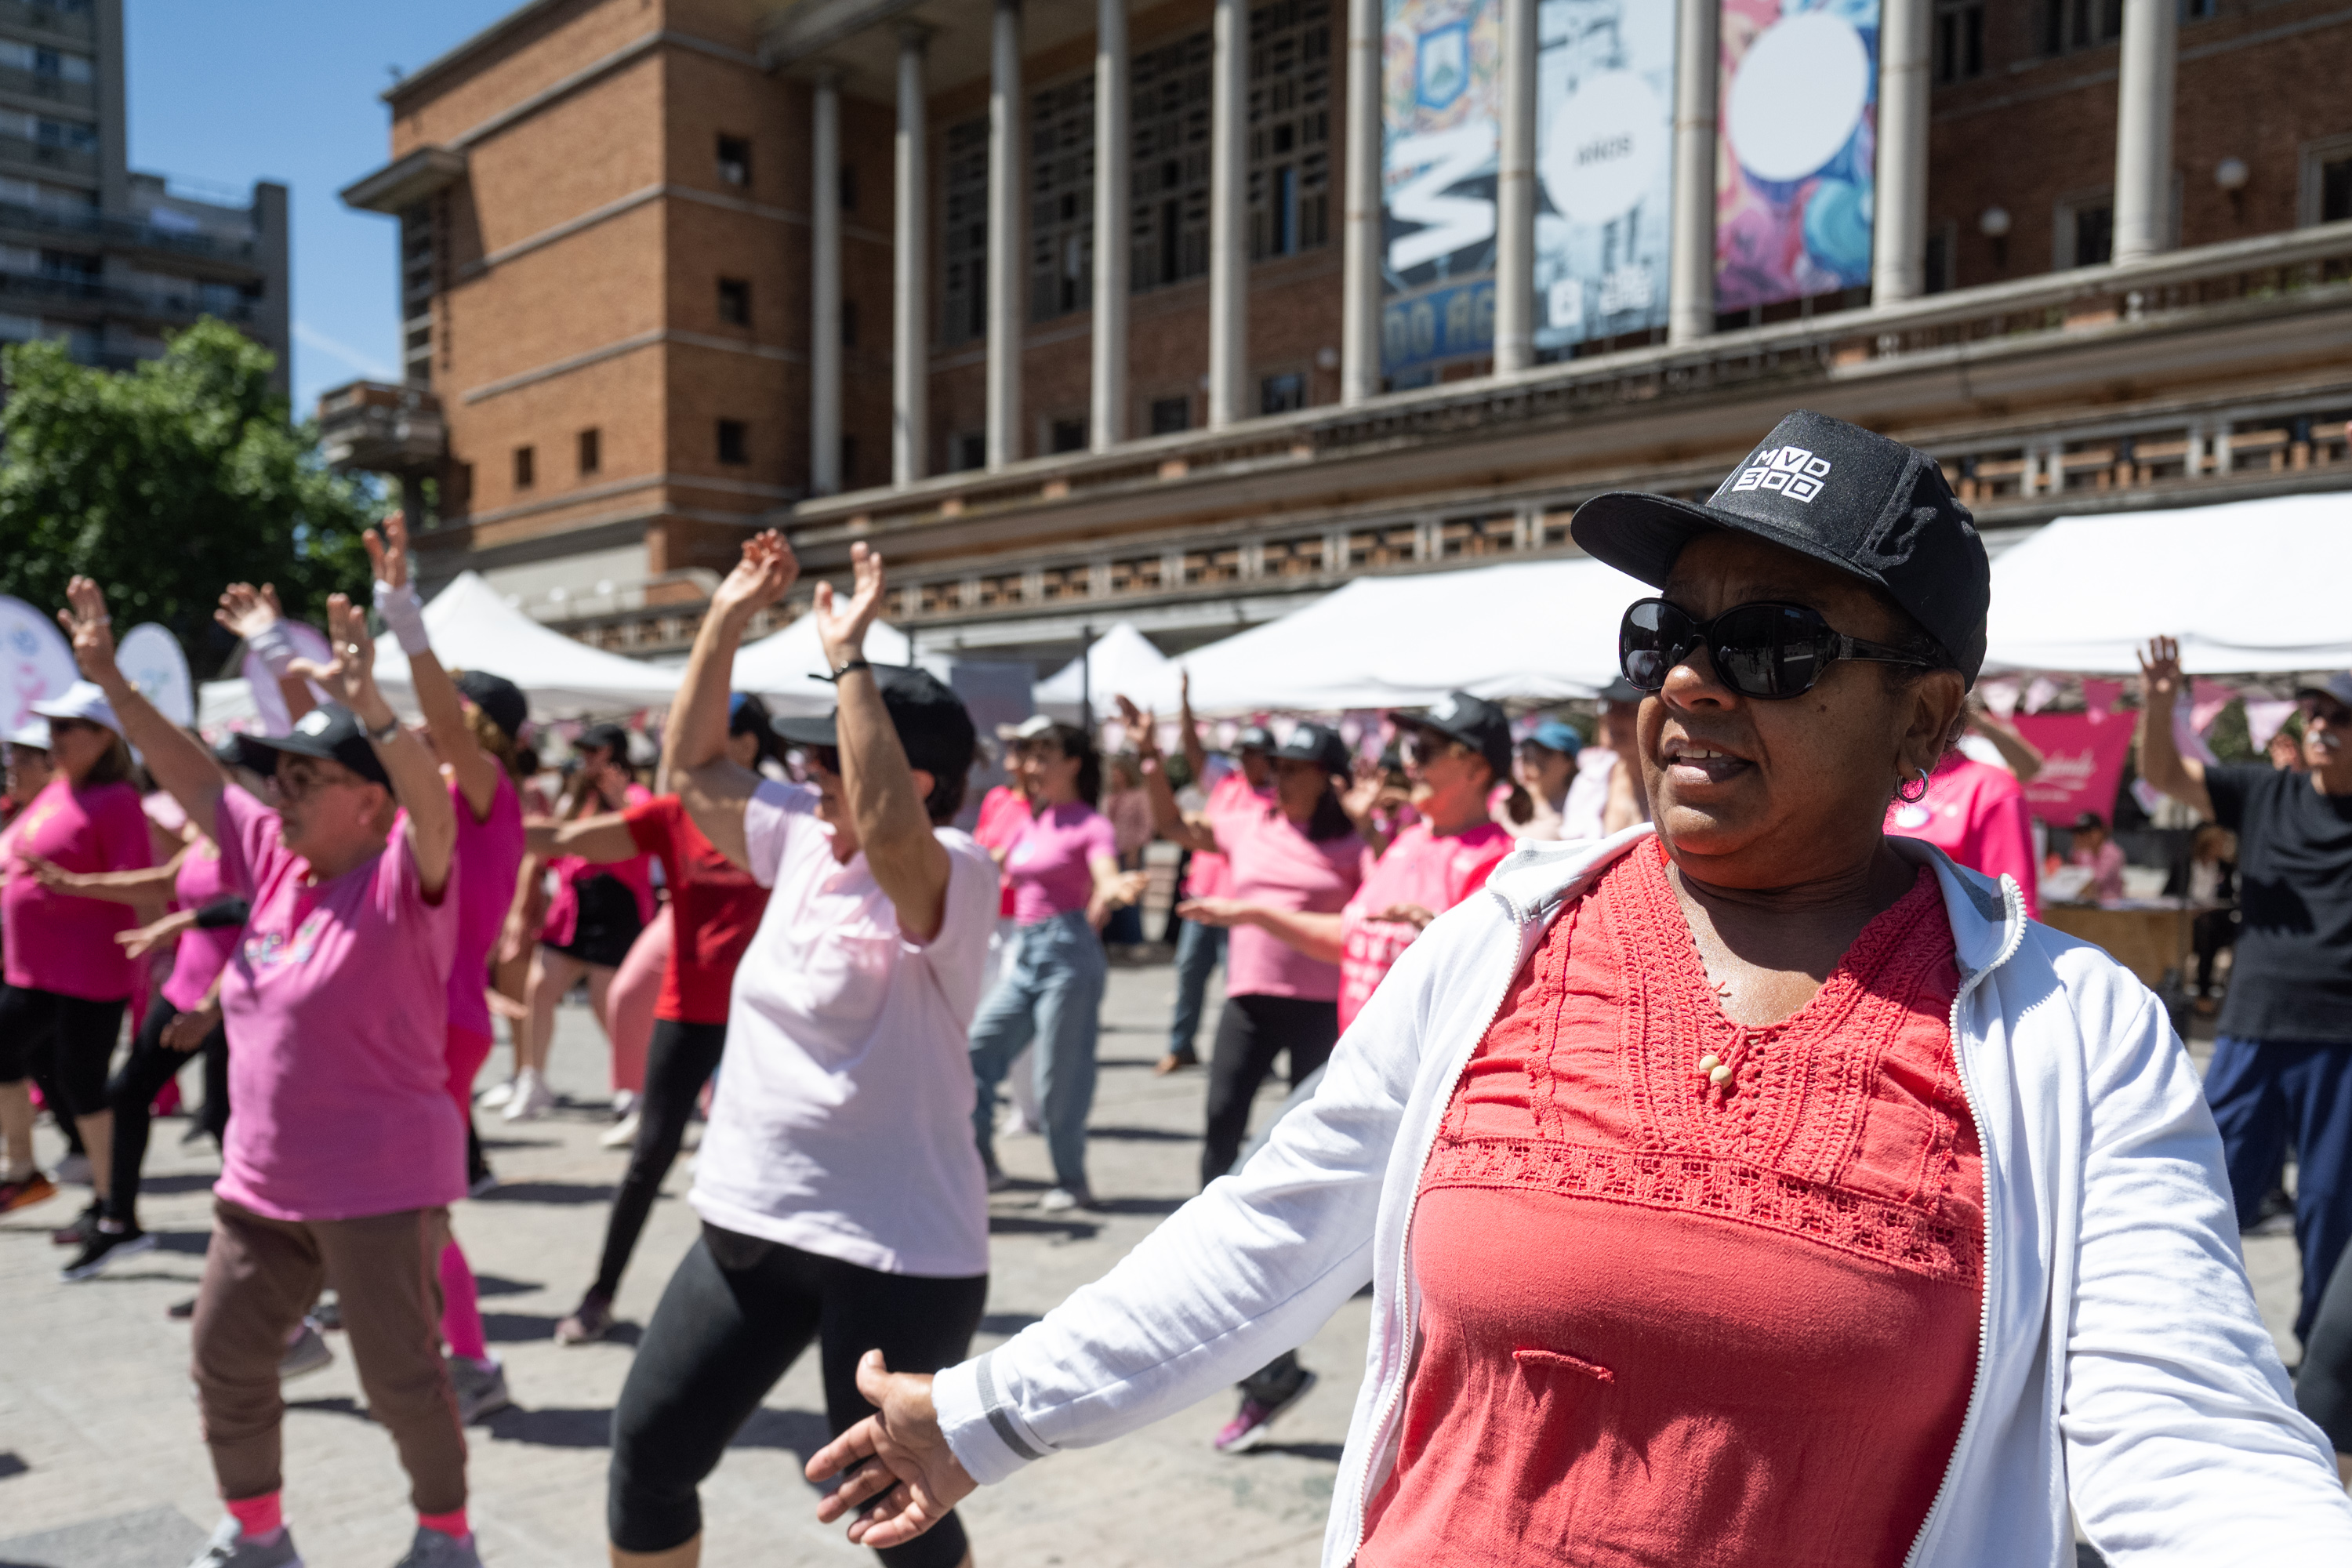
(166, 481)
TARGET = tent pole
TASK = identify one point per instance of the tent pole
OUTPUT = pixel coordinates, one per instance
(1087, 678)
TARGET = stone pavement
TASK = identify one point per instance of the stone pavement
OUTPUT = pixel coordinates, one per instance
(100, 1466)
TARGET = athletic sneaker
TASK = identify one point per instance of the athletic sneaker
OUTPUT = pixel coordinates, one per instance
(307, 1351)
(432, 1549)
(624, 1102)
(589, 1321)
(84, 1226)
(498, 1094)
(26, 1191)
(1062, 1200)
(531, 1098)
(103, 1248)
(481, 1390)
(229, 1548)
(1247, 1428)
(622, 1134)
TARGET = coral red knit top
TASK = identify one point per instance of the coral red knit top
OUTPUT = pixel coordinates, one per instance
(1667, 1321)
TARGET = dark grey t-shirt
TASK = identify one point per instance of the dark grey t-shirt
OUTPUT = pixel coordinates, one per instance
(2291, 975)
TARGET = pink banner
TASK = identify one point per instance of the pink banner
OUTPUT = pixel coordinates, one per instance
(2082, 757)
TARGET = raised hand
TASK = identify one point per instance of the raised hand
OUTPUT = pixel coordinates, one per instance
(2159, 671)
(91, 631)
(765, 575)
(389, 553)
(349, 674)
(1142, 728)
(842, 626)
(897, 1460)
(53, 877)
(246, 612)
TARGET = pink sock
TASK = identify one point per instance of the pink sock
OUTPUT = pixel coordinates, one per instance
(257, 1515)
(461, 1309)
(452, 1524)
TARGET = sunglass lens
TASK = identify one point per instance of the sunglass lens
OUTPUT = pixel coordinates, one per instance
(1769, 650)
(1652, 636)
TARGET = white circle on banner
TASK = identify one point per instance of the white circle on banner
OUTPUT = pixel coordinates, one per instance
(1605, 148)
(35, 662)
(151, 659)
(1797, 96)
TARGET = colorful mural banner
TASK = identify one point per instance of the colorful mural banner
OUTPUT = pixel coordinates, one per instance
(1604, 167)
(35, 662)
(2082, 757)
(1440, 122)
(1797, 142)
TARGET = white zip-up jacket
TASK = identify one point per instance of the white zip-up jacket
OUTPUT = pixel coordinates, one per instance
(2123, 1365)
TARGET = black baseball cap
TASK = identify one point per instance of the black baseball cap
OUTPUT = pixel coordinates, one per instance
(934, 728)
(1314, 743)
(1478, 723)
(607, 736)
(1867, 505)
(1254, 738)
(499, 698)
(332, 733)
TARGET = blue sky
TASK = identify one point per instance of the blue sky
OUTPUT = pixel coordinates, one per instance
(225, 92)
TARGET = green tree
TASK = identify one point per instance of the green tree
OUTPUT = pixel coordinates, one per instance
(167, 481)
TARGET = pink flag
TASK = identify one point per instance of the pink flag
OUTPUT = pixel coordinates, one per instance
(2100, 695)
(2205, 701)
(2265, 717)
(2082, 763)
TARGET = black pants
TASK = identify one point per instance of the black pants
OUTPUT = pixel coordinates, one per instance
(67, 1042)
(678, 1064)
(1251, 1032)
(149, 1066)
(738, 1313)
(2209, 933)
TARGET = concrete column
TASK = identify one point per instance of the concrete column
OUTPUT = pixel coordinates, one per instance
(2144, 129)
(1007, 183)
(1107, 416)
(1229, 216)
(1899, 237)
(1360, 235)
(1690, 266)
(1515, 195)
(824, 287)
(910, 271)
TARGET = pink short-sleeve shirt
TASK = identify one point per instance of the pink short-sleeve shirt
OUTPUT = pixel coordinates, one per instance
(1418, 869)
(1051, 860)
(1276, 864)
(57, 941)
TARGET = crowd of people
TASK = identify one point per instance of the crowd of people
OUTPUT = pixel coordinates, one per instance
(1723, 1019)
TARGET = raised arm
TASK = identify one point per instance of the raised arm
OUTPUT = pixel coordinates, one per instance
(2024, 757)
(877, 783)
(445, 713)
(1167, 818)
(1320, 937)
(600, 841)
(184, 769)
(349, 677)
(710, 785)
(147, 885)
(1113, 888)
(252, 616)
(2161, 762)
(1196, 755)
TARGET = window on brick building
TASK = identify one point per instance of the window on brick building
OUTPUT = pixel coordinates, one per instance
(849, 323)
(1168, 178)
(735, 160)
(735, 302)
(592, 452)
(964, 247)
(2335, 190)
(734, 441)
(1066, 435)
(1281, 394)
(1936, 265)
(2084, 233)
(849, 462)
(845, 188)
(1061, 199)
(1289, 127)
(1169, 415)
(461, 486)
(2080, 24)
(968, 452)
(525, 466)
(1959, 39)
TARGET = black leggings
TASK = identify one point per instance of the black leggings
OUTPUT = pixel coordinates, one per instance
(67, 1042)
(1251, 1032)
(738, 1313)
(678, 1064)
(2324, 1387)
(150, 1065)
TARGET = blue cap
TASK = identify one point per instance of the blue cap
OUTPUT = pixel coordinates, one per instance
(1557, 736)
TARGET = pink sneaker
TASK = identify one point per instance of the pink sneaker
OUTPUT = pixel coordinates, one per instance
(1247, 1428)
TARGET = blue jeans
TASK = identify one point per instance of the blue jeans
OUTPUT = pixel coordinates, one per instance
(1052, 994)
(1198, 949)
(2266, 1094)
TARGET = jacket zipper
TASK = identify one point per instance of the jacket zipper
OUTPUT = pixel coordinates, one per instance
(1378, 1436)
(2015, 937)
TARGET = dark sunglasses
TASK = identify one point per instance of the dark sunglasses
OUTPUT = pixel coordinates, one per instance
(828, 758)
(1768, 651)
(68, 726)
(1416, 747)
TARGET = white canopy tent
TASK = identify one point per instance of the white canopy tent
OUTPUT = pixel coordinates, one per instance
(2249, 588)
(1121, 662)
(473, 628)
(1535, 630)
(786, 668)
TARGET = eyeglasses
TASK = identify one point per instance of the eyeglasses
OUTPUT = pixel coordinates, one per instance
(1419, 747)
(1764, 650)
(297, 779)
(68, 726)
(825, 758)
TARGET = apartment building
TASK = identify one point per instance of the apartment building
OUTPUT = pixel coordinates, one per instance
(1371, 286)
(92, 252)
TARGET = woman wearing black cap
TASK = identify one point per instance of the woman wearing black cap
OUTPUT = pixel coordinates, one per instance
(1756, 1190)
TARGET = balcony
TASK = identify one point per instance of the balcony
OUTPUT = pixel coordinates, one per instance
(125, 233)
(68, 27)
(377, 428)
(49, 89)
(46, 157)
(100, 299)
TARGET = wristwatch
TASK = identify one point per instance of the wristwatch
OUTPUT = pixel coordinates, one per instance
(853, 665)
(388, 734)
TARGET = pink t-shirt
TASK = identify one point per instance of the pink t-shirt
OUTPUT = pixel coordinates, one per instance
(491, 852)
(1976, 814)
(203, 952)
(1418, 868)
(1050, 861)
(338, 1001)
(1003, 813)
(1209, 875)
(57, 941)
(1276, 864)
(637, 874)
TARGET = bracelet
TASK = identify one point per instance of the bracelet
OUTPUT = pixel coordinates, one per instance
(274, 647)
(388, 734)
(854, 666)
(404, 613)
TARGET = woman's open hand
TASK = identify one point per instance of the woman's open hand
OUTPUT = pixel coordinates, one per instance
(2159, 672)
(90, 629)
(139, 944)
(246, 612)
(1214, 911)
(387, 553)
(841, 625)
(899, 1473)
(765, 574)
(349, 674)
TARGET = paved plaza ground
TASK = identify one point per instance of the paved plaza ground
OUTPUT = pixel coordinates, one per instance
(100, 1466)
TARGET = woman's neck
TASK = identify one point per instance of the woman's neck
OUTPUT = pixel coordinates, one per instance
(1451, 819)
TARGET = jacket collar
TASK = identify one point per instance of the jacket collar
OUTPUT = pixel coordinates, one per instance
(1987, 918)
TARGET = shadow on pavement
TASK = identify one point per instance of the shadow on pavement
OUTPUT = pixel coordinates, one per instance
(801, 1431)
(187, 1182)
(1143, 1134)
(1022, 1225)
(1329, 1453)
(549, 1193)
(525, 1328)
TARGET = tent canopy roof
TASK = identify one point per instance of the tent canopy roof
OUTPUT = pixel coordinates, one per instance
(786, 668)
(473, 628)
(1122, 662)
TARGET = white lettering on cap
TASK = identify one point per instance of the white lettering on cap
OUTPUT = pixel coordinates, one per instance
(1793, 471)
(315, 722)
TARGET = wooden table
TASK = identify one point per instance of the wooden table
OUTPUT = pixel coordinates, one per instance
(2147, 936)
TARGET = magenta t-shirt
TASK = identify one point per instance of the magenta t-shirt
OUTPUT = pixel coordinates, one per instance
(203, 952)
(1418, 869)
(1209, 875)
(1002, 813)
(57, 941)
(1977, 814)
(1050, 861)
(1276, 864)
(337, 1003)
(491, 852)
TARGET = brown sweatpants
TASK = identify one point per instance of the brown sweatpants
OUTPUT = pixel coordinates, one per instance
(261, 1275)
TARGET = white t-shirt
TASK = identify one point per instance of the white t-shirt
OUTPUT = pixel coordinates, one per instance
(843, 1121)
(1587, 793)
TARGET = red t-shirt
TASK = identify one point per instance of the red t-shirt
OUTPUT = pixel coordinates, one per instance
(715, 906)
(1667, 1321)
